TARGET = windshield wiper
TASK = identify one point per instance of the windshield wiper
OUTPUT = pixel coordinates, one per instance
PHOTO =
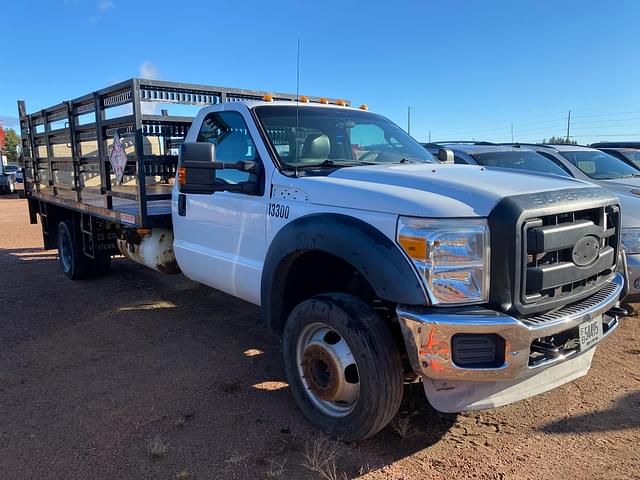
(332, 164)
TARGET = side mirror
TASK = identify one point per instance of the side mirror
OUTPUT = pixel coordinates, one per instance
(198, 152)
(445, 155)
(197, 170)
(203, 154)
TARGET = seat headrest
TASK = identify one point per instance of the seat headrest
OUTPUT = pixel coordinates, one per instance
(316, 145)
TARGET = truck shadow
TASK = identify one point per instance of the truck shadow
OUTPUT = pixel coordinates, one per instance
(623, 415)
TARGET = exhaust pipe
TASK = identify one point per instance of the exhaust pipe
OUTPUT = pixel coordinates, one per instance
(154, 250)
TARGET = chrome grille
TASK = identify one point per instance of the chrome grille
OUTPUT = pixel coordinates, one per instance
(551, 272)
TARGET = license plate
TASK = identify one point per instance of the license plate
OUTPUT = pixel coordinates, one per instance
(590, 333)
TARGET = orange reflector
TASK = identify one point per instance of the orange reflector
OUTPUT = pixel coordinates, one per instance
(324, 100)
(415, 247)
(143, 231)
(182, 176)
(268, 98)
(304, 99)
(342, 103)
(364, 106)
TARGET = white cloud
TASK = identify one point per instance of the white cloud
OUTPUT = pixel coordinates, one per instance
(149, 70)
(104, 5)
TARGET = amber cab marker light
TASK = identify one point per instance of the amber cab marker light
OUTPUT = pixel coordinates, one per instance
(143, 231)
(342, 103)
(324, 100)
(267, 98)
(304, 99)
(182, 176)
(364, 106)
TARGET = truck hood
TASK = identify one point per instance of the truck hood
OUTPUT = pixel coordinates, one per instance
(428, 190)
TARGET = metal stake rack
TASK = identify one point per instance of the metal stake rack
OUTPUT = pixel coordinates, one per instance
(66, 148)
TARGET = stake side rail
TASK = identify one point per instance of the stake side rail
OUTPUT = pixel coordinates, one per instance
(66, 147)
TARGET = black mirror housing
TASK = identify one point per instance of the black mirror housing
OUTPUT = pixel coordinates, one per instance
(197, 152)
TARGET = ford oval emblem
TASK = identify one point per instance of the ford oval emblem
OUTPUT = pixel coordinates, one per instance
(586, 251)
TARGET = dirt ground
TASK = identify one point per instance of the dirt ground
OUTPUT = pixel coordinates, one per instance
(139, 375)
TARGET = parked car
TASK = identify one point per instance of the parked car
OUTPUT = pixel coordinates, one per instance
(7, 179)
(16, 171)
(627, 151)
(493, 155)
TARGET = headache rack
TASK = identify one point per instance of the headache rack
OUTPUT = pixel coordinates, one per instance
(65, 148)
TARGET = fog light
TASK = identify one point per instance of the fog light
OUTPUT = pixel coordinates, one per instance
(474, 350)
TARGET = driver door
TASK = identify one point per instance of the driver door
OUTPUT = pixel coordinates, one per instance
(220, 236)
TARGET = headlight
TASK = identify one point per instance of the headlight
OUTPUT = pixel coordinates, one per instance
(630, 240)
(452, 257)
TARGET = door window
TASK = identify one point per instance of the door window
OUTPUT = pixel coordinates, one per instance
(229, 133)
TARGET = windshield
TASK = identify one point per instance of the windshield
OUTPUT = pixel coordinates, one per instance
(599, 165)
(633, 155)
(308, 137)
(519, 160)
(10, 168)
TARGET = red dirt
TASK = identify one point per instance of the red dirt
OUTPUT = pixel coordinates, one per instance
(140, 375)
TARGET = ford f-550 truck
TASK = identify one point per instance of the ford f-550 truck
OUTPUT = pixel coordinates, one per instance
(376, 265)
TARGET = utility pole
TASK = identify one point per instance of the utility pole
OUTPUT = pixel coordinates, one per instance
(511, 132)
(429, 136)
(409, 119)
(568, 125)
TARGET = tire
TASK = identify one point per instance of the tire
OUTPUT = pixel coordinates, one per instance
(324, 395)
(74, 264)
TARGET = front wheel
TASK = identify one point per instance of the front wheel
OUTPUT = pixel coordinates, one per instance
(343, 366)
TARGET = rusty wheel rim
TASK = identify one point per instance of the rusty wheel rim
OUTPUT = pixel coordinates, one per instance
(328, 370)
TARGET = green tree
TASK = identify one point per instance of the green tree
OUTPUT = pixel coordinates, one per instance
(560, 141)
(11, 141)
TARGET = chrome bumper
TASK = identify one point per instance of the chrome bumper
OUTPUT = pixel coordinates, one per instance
(428, 331)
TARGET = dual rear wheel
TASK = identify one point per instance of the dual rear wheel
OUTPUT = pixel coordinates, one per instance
(74, 263)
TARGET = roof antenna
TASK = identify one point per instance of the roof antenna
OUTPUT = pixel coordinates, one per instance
(297, 103)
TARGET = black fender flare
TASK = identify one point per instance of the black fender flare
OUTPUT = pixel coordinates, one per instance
(377, 258)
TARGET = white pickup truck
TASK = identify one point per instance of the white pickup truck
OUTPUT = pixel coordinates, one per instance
(376, 265)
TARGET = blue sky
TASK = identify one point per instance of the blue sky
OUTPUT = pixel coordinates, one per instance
(469, 69)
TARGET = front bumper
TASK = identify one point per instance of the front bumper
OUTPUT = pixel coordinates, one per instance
(428, 335)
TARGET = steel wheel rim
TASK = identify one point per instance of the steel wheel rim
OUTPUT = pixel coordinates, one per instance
(328, 370)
